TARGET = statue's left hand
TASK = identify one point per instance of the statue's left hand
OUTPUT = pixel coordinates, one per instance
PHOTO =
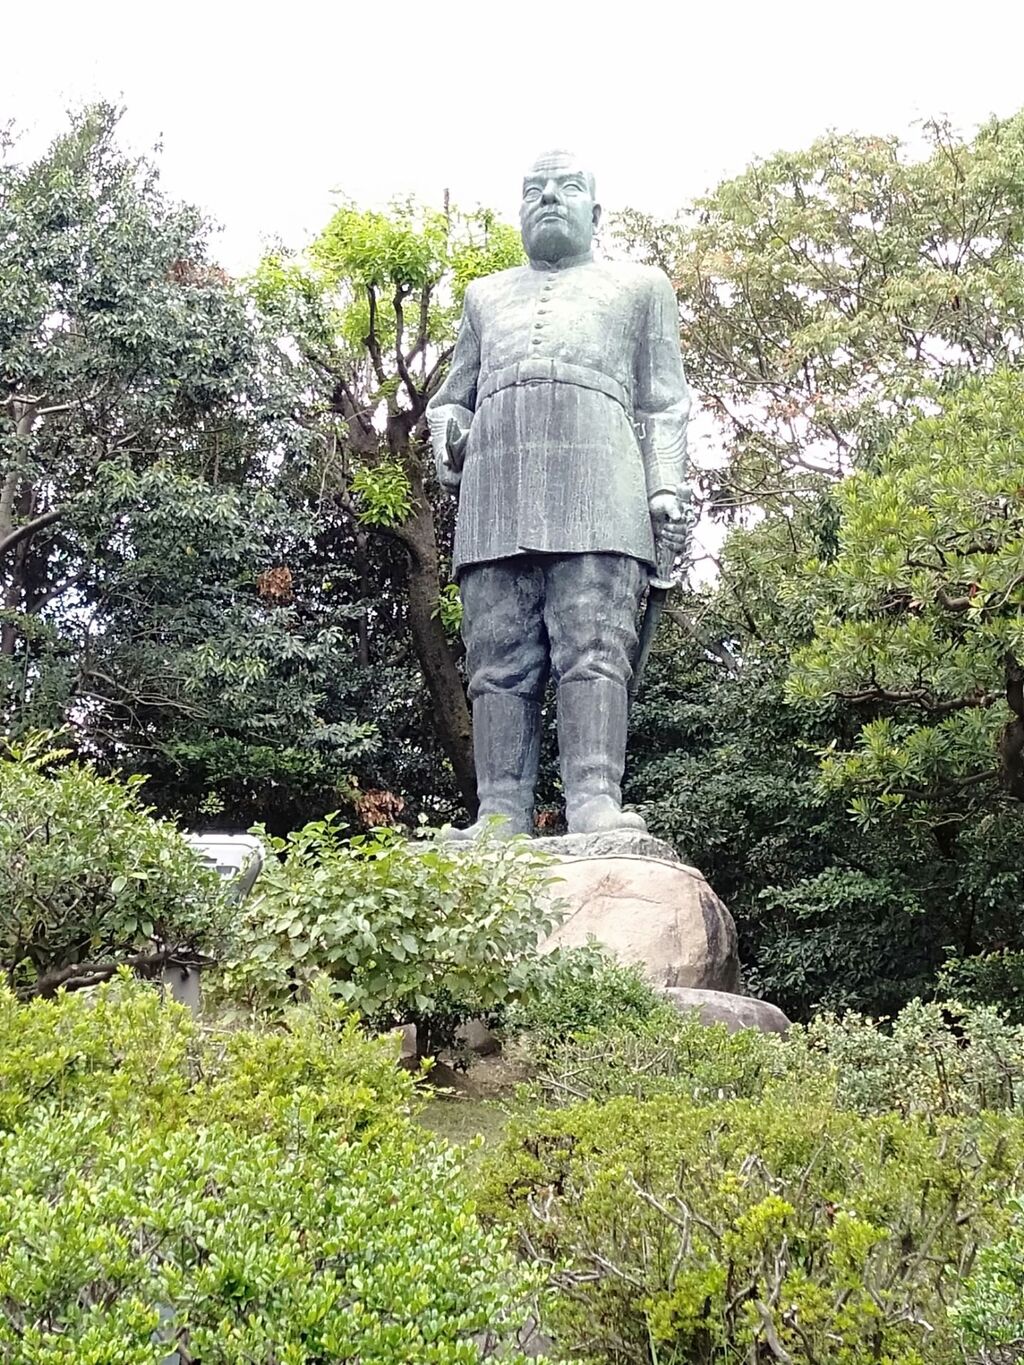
(671, 516)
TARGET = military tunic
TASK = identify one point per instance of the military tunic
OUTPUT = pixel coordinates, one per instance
(571, 382)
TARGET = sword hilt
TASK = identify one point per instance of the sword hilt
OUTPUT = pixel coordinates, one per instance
(668, 549)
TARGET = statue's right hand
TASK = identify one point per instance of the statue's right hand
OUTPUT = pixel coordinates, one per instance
(456, 441)
(453, 456)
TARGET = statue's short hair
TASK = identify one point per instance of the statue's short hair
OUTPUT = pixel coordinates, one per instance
(557, 160)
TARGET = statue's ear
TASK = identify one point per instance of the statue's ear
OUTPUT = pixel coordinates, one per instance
(597, 214)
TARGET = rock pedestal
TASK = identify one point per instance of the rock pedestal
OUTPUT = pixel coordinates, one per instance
(635, 895)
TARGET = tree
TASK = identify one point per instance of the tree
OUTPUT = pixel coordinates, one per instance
(162, 549)
(829, 912)
(830, 298)
(918, 618)
(824, 292)
(371, 310)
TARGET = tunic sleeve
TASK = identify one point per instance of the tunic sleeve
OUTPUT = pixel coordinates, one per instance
(662, 400)
(457, 395)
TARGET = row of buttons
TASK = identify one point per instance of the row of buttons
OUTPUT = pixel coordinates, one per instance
(545, 297)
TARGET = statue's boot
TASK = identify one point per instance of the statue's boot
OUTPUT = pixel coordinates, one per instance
(592, 751)
(506, 748)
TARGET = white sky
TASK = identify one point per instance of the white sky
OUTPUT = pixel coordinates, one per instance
(266, 111)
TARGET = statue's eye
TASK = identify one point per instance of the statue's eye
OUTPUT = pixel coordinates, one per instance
(573, 187)
(531, 193)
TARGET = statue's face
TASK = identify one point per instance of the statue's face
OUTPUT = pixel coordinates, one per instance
(558, 213)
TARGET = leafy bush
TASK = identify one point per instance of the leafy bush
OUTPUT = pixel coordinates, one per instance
(990, 1310)
(667, 1054)
(931, 1058)
(578, 990)
(254, 1196)
(88, 878)
(421, 932)
(777, 1230)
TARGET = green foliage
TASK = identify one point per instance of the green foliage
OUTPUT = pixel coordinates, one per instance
(919, 613)
(384, 493)
(261, 1195)
(371, 310)
(88, 877)
(990, 1310)
(666, 1053)
(581, 990)
(781, 1229)
(404, 931)
(825, 291)
(449, 609)
(995, 979)
(828, 913)
(489, 246)
(932, 1058)
(156, 465)
(405, 247)
(830, 297)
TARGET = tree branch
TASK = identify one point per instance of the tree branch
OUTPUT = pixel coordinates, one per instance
(372, 341)
(415, 397)
(919, 696)
(81, 974)
(13, 539)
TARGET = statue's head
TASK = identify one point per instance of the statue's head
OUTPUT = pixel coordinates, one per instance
(559, 211)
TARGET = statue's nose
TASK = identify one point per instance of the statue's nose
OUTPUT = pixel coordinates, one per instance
(551, 193)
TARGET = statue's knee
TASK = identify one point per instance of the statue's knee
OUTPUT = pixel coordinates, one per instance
(595, 664)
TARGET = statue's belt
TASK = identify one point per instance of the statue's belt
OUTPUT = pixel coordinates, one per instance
(553, 372)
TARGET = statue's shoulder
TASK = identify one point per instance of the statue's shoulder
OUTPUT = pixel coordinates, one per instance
(492, 287)
(641, 279)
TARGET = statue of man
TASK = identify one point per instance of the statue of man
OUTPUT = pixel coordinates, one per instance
(562, 423)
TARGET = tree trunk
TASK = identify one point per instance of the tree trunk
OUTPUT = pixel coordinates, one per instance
(451, 712)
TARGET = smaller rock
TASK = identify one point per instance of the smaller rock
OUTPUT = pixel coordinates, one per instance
(408, 1044)
(734, 1011)
(477, 1037)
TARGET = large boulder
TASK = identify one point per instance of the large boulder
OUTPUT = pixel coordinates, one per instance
(734, 1011)
(634, 895)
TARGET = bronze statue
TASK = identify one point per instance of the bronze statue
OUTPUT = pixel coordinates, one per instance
(562, 424)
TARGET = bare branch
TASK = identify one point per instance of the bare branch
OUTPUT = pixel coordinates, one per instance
(81, 974)
(415, 397)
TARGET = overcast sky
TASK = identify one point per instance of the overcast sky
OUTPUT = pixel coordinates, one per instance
(266, 113)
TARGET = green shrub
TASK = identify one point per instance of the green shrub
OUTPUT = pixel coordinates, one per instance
(681, 1057)
(990, 1310)
(255, 1196)
(579, 990)
(421, 932)
(931, 1058)
(88, 878)
(773, 1231)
